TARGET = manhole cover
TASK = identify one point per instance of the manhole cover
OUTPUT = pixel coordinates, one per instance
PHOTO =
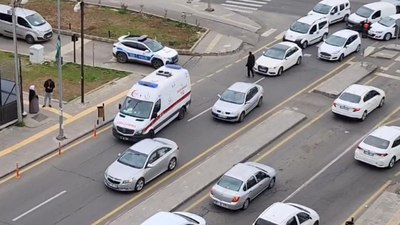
(39, 117)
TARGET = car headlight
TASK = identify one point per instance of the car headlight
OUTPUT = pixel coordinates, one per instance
(139, 132)
(127, 181)
(106, 174)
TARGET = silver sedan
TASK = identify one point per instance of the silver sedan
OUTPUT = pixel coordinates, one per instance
(141, 163)
(241, 184)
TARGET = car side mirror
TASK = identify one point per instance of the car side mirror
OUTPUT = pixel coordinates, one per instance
(247, 102)
(150, 165)
(146, 51)
(333, 13)
(119, 106)
(219, 96)
(119, 154)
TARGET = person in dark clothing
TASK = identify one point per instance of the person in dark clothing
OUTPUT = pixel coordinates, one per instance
(251, 60)
(48, 88)
(33, 100)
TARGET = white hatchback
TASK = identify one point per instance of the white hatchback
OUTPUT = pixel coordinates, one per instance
(278, 58)
(385, 28)
(357, 101)
(339, 45)
(175, 218)
(381, 148)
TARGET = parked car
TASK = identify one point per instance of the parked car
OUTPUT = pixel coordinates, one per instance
(237, 101)
(143, 49)
(174, 218)
(381, 148)
(334, 10)
(357, 101)
(371, 12)
(141, 163)
(385, 28)
(241, 184)
(339, 45)
(278, 58)
(281, 213)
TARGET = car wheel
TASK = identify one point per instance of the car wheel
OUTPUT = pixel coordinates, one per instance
(241, 117)
(157, 63)
(139, 185)
(181, 114)
(122, 57)
(272, 183)
(346, 18)
(364, 116)
(316, 222)
(260, 101)
(172, 164)
(304, 45)
(280, 71)
(341, 58)
(387, 36)
(324, 37)
(29, 39)
(246, 204)
(391, 163)
(382, 102)
(358, 48)
(298, 61)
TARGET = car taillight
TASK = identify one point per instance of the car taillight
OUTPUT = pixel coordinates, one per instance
(356, 109)
(235, 199)
(381, 154)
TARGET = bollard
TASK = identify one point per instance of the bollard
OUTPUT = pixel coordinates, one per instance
(94, 132)
(17, 172)
(59, 148)
(109, 34)
(69, 26)
(351, 222)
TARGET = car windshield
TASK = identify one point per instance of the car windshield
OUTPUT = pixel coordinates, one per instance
(349, 97)
(364, 12)
(136, 108)
(230, 183)
(300, 27)
(155, 46)
(336, 41)
(36, 19)
(275, 53)
(322, 8)
(387, 21)
(376, 142)
(261, 221)
(234, 97)
(133, 159)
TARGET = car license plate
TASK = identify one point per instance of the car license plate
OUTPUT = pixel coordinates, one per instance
(222, 116)
(219, 203)
(262, 70)
(368, 153)
(344, 107)
(123, 138)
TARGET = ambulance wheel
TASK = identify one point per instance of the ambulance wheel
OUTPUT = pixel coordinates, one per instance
(121, 57)
(181, 114)
(29, 39)
(157, 63)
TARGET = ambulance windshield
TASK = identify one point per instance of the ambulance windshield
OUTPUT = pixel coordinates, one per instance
(136, 108)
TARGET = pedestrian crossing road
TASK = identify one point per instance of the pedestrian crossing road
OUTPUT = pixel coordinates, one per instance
(244, 6)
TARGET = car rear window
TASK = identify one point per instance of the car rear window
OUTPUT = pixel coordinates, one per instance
(230, 183)
(376, 142)
(350, 97)
(261, 221)
(187, 218)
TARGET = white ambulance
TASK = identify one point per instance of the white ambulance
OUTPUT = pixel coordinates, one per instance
(153, 102)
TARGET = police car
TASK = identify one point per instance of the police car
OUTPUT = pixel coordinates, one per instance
(143, 49)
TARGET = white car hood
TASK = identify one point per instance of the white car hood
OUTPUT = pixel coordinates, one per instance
(130, 122)
(269, 62)
(354, 18)
(227, 106)
(329, 48)
(46, 27)
(292, 35)
(121, 171)
(167, 52)
(378, 27)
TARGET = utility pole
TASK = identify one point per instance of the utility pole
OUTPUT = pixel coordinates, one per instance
(59, 69)
(16, 61)
(82, 53)
(209, 8)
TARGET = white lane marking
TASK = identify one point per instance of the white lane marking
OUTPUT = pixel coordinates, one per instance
(253, 1)
(388, 67)
(397, 59)
(210, 75)
(214, 42)
(238, 6)
(243, 3)
(196, 116)
(268, 32)
(387, 75)
(397, 71)
(220, 70)
(307, 55)
(239, 10)
(280, 36)
(38, 206)
(200, 80)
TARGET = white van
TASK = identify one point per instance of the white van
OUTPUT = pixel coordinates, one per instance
(153, 102)
(30, 25)
(334, 10)
(371, 12)
(307, 30)
(385, 28)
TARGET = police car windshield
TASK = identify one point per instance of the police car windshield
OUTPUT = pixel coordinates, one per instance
(136, 108)
(322, 8)
(234, 97)
(387, 21)
(35, 19)
(300, 27)
(364, 12)
(336, 41)
(275, 53)
(153, 45)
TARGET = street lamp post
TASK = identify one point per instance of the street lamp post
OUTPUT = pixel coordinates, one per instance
(209, 8)
(81, 6)
(59, 69)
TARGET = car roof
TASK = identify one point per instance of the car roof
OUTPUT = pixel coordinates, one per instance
(18, 10)
(242, 171)
(147, 145)
(278, 212)
(285, 45)
(346, 33)
(130, 37)
(386, 132)
(165, 218)
(394, 16)
(309, 19)
(358, 89)
(241, 86)
(375, 5)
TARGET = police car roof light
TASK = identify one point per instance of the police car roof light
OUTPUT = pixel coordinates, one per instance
(148, 84)
(173, 66)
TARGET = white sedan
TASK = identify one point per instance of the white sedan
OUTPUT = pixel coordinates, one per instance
(385, 28)
(237, 101)
(357, 101)
(339, 45)
(381, 148)
(278, 58)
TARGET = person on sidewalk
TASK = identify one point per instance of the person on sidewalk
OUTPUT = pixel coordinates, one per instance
(251, 60)
(48, 91)
(33, 100)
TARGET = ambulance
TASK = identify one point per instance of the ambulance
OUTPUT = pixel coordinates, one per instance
(152, 103)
